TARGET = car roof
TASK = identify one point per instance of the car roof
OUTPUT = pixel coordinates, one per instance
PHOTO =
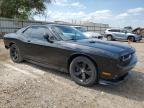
(46, 25)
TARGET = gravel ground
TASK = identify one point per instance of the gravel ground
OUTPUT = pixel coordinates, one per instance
(26, 85)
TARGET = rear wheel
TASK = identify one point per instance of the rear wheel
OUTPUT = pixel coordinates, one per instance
(83, 71)
(15, 54)
(109, 38)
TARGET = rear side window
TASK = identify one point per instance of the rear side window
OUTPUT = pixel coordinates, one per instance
(114, 30)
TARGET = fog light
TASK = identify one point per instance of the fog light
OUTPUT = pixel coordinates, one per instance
(106, 73)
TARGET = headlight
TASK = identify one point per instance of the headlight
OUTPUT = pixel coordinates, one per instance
(125, 57)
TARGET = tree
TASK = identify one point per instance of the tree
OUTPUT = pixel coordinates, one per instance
(22, 9)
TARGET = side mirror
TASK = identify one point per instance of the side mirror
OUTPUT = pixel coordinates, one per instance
(49, 38)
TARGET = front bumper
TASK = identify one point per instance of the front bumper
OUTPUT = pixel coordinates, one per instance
(118, 73)
(115, 81)
(138, 38)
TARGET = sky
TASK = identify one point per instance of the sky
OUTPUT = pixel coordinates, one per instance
(116, 13)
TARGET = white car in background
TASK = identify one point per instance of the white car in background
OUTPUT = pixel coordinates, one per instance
(88, 34)
(121, 34)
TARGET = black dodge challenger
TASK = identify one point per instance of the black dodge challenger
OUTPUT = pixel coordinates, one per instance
(66, 49)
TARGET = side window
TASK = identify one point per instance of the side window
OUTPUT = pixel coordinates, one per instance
(110, 30)
(117, 30)
(114, 30)
(123, 31)
(38, 32)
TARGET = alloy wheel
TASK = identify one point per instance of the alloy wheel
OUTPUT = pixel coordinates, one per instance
(14, 53)
(83, 71)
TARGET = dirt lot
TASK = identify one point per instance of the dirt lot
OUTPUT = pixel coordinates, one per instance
(29, 86)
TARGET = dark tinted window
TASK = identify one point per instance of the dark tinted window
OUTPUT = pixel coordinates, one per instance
(114, 30)
(38, 32)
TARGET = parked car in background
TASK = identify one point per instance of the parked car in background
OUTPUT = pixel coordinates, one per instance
(87, 33)
(139, 31)
(66, 49)
(121, 34)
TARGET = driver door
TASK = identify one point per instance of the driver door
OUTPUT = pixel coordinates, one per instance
(37, 48)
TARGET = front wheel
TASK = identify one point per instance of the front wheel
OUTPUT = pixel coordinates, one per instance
(131, 38)
(83, 71)
(15, 54)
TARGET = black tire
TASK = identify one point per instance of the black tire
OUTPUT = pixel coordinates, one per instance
(131, 38)
(15, 54)
(83, 71)
(109, 38)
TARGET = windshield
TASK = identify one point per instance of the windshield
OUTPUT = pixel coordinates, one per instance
(68, 33)
(82, 29)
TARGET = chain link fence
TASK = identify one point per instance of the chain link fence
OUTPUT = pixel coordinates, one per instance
(12, 25)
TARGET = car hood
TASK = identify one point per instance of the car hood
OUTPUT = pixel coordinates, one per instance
(112, 47)
(131, 34)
